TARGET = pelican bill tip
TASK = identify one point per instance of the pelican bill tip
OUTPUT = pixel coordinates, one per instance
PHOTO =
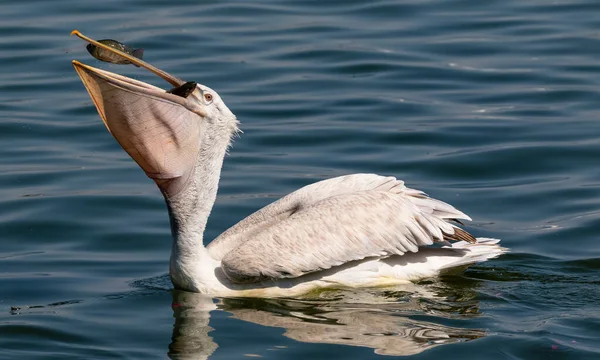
(77, 63)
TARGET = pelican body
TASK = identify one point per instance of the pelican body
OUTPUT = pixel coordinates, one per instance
(359, 230)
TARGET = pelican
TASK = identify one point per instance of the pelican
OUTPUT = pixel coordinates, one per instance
(360, 230)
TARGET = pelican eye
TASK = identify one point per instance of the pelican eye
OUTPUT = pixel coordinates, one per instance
(208, 97)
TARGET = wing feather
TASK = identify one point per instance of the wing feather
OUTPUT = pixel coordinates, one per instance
(294, 202)
(386, 220)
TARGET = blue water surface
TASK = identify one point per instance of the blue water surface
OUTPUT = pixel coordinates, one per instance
(492, 106)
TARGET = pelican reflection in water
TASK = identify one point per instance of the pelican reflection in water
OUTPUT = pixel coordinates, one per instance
(373, 319)
(360, 230)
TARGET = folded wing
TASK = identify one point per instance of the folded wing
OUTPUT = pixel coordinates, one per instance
(317, 235)
(300, 199)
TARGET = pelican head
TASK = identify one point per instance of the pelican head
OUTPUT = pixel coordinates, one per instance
(163, 132)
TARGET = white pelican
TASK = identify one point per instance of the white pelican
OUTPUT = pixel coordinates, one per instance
(358, 230)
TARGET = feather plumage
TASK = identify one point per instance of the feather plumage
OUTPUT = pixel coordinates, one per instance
(333, 222)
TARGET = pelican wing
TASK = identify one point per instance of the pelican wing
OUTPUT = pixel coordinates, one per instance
(342, 228)
(302, 198)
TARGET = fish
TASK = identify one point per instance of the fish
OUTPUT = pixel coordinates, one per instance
(184, 90)
(105, 55)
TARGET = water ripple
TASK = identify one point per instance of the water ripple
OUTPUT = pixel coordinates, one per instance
(490, 106)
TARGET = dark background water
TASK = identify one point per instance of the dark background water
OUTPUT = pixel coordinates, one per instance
(491, 106)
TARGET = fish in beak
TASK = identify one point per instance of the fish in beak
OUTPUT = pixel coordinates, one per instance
(160, 130)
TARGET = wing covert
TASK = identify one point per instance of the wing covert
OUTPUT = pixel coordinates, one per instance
(340, 229)
(293, 202)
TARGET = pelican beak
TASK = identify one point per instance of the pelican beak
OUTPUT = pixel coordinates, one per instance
(159, 130)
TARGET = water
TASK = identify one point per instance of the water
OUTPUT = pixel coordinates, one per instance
(491, 106)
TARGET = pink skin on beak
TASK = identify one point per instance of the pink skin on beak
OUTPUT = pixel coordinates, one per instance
(160, 131)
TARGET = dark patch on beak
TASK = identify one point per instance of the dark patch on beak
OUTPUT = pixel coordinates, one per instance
(184, 90)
